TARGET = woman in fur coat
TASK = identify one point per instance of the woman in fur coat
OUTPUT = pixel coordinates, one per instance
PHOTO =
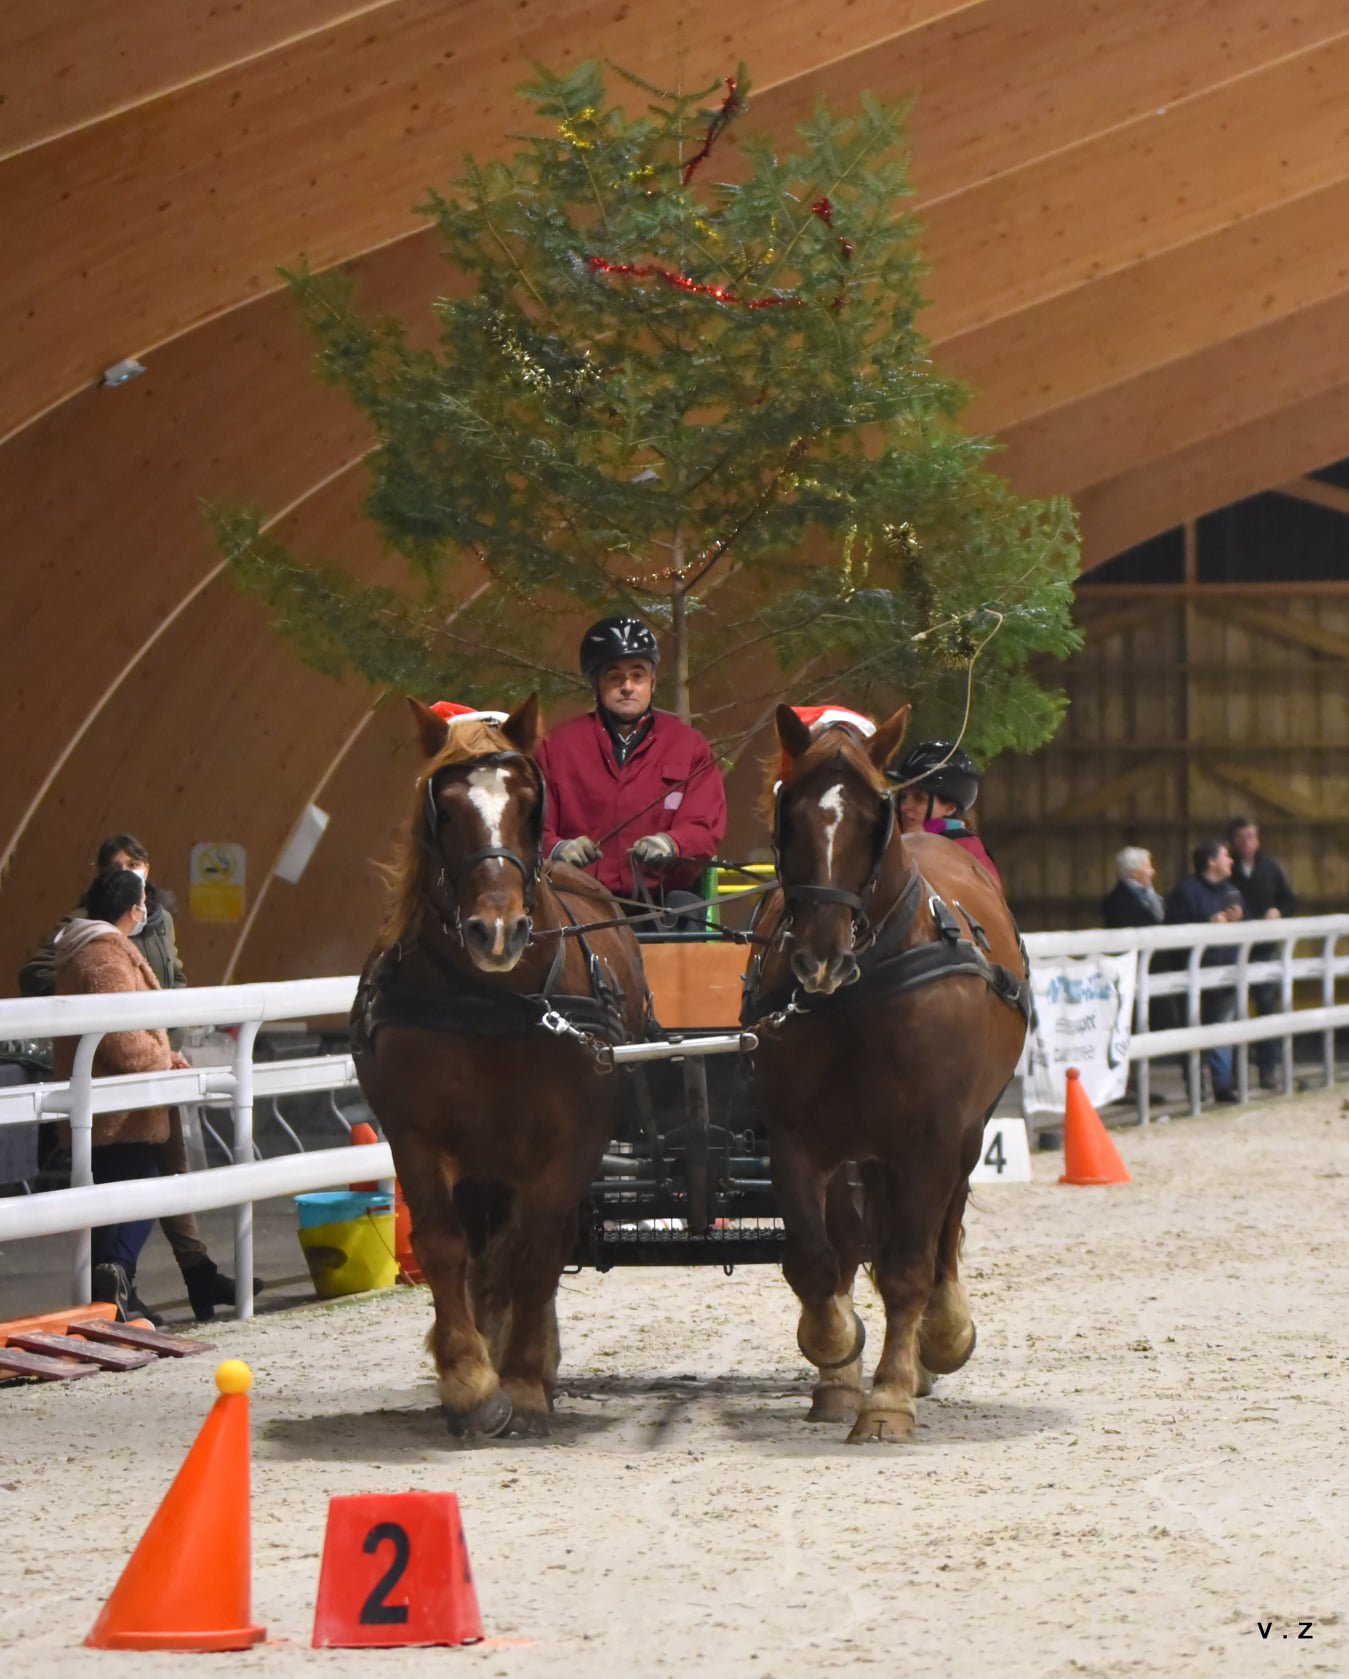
(94, 953)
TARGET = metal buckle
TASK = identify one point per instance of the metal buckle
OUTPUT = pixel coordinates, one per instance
(556, 1023)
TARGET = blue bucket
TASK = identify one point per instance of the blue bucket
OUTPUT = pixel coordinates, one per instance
(336, 1206)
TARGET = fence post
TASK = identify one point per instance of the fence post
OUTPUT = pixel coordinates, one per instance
(1241, 1055)
(82, 1154)
(1143, 1068)
(1287, 1006)
(1194, 1061)
(1328, 1002)
(243, 1155)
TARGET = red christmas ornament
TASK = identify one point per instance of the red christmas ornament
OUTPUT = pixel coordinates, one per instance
(824, 210)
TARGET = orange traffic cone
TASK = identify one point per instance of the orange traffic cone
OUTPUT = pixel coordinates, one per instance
(408, 1269)
(187, 1584)
(1088, 1154)
(363, 1132)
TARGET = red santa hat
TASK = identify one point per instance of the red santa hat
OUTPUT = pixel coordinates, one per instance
(820, 717)
(453, 712)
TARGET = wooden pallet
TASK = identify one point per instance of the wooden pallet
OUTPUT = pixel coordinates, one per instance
(81, 1341)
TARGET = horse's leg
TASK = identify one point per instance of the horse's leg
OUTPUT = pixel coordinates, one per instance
(905, 1257)
(838, 1393)
(469, 1391)
(542, 1238)
(829, 1333)
(946, 1335)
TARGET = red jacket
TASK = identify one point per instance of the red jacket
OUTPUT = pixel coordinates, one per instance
(669, 784)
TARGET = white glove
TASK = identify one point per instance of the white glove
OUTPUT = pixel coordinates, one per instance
(578, 852)
(655, 848)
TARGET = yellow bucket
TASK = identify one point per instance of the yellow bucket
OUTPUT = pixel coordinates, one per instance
(350, 1255)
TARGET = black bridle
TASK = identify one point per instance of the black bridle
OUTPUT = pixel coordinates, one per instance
(451, 873)
(857, 902)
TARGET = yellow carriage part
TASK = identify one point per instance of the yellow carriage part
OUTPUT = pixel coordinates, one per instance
(351, 1255)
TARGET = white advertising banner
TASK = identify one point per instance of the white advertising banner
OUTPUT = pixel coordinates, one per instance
(1084, 1017)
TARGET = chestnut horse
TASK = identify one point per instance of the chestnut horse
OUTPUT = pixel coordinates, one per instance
(891, 1005)
(479, 1027)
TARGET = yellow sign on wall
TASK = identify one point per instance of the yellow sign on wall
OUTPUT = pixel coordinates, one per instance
(216, 880)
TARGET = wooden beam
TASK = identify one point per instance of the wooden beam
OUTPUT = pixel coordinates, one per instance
(1127, 195)
(1101, 335)
(1101, 626)
(1222, 386)
(1274, 789)
(1319, 494)
(1097, 800)
(1300, 632)
(1120, 511)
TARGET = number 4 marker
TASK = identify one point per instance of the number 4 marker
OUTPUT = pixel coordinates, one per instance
(1005, 1154)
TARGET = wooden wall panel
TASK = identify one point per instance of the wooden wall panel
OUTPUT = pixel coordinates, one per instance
(1119, 512)
(1182, 404)
(997, 86)
(1133, 192)
(108, 487)
(1180, 719)
(143, 225)
(66, 63)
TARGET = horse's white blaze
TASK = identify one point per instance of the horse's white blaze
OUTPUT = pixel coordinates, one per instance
(831, 803)
(490, 795)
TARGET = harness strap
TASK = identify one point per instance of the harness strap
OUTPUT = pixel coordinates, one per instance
(905, 971)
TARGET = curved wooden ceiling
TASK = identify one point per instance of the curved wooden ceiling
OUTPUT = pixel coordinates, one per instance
(1134, 218)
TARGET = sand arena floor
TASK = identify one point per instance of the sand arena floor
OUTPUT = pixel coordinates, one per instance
(1145, 1458)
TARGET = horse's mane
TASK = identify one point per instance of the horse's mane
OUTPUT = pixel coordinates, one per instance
(836, 741)
(407, 877)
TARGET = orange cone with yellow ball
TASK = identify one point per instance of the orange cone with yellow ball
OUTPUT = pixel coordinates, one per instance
(1088, 1154)
(188, 1583)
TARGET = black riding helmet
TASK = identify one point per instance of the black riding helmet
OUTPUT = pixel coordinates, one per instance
(941, 770)
(616, 638)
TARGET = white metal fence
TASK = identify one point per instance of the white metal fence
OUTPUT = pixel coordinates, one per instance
(249, 1007)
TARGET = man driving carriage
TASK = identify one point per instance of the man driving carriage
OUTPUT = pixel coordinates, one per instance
(627, 778)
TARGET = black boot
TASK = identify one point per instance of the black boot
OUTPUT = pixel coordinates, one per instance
(112, 1287)
(136, 1307)
(209, 1287)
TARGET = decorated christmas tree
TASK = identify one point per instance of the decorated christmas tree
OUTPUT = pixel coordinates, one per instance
(679, 376)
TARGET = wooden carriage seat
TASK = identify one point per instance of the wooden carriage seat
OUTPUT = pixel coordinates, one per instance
(696, 984)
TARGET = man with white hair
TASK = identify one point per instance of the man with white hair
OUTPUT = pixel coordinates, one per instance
(1133, 901)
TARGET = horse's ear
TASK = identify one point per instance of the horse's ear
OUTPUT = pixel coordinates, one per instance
(433, 730)
(886, 741)
(521, 728)
(792, 732)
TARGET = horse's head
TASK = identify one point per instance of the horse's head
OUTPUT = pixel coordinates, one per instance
(832, 825)
(480, 829)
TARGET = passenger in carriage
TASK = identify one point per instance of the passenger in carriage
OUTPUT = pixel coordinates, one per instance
(936, 785)
(629, 778)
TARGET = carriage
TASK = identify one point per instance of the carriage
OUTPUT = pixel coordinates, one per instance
(686, 1178)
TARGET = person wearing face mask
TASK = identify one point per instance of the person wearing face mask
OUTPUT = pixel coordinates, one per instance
(628, 778)
(94, 953)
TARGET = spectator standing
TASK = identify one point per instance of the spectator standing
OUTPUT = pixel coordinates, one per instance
(155, 938)
(94, 954)
(1209, 895)
(1133, 901)
(1267, 896)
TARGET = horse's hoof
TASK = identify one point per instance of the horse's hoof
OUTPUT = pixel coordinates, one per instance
(926, 1382)
(944, 1363)
(859, 1343)
(529, 1425)
(834, 1404)
(488, 1418)
(885, 1428)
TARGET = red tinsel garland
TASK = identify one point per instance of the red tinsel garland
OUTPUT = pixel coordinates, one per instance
(672, 277)
(729, 106)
